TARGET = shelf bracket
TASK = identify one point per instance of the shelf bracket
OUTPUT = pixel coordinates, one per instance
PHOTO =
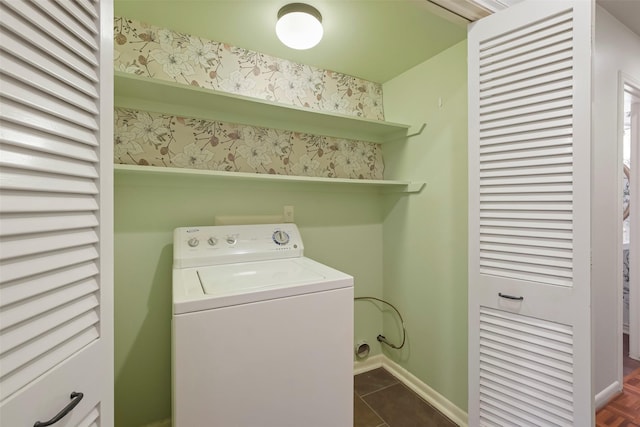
(424, 125)
(410, 187)
(415, 187)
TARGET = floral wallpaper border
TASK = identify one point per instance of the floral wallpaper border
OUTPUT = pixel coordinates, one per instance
(164, 54)
(156, 139)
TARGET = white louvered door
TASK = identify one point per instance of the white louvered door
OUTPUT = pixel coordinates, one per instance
(529, 216)
(56, 203)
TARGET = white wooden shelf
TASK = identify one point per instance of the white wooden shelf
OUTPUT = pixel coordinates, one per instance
(132, 91)
(384, 186)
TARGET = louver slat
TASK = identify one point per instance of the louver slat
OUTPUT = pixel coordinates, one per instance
(39, 346)
(526, 34)
(522, 399)
(501, 374)
(524, 198)
(83, 11)
(526, 110)
(535, 102)
(533, 135)
(550, 88)
(57, 32)
(88, 7)
(526, 155)
(517, 350)
(19, 268)
(47, 222)
(526, 71)
(512, 86)
(12, 21)
(557, 110)
(56, 354)
(507, 154)
(531, 250)
(521, 413)
(552, 238)
(18, 246)
(18, 179)
(49, 115)
(92, 419)
(72, 25)
(14, 134)
(524, 144)
(537, 184)
(35, 285)
(18, 158)
(505, 222)
(535, 379)
(24, 116)
(15, 201)
(46, 83)
(527, 259)
(39, 60)
(22, 93)
(45, 323)
(529, 170)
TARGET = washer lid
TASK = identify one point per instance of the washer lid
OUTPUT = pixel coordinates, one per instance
(253, 276)
(205, 288)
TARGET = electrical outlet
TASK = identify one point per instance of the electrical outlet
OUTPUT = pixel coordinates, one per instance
(288, 214)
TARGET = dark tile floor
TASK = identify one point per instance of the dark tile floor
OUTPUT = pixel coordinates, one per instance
(380, 400)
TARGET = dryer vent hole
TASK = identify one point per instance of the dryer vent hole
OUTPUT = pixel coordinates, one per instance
(362, 350)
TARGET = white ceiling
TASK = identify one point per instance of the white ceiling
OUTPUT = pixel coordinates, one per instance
(372, 39)
(625, 11)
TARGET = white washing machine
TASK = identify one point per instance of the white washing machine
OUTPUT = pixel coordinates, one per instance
(261, 335)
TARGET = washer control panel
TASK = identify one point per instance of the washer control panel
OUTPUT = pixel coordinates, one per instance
(226, 244)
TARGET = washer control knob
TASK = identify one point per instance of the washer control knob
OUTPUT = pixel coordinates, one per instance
(280, 237)
(231, 240)
(193, 242)
(212, 241)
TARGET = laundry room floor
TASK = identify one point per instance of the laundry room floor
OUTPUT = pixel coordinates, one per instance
(381, 400)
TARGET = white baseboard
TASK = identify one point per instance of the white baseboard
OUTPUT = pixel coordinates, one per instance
(607, 394)
(368, 364)
(434, 398)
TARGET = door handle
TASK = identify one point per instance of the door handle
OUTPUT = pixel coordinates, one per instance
(501, 295)
(75, 399)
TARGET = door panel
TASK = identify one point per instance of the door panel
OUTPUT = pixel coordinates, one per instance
(529, 215)
(56, 267)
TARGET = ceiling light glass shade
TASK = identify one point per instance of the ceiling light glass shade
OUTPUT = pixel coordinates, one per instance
(299, 26)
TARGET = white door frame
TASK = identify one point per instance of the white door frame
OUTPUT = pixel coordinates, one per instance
(634, 247)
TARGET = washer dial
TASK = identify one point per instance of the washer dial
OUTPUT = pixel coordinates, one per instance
(280, 237)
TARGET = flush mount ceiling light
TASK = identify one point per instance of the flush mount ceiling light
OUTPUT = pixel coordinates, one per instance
(299, 26)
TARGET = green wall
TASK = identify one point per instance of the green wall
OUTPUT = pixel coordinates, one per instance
(425, 235)
(340, 226)
(414, 244)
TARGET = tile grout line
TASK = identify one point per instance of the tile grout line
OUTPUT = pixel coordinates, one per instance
(374, 411)
(380, 389)
(424, 403)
